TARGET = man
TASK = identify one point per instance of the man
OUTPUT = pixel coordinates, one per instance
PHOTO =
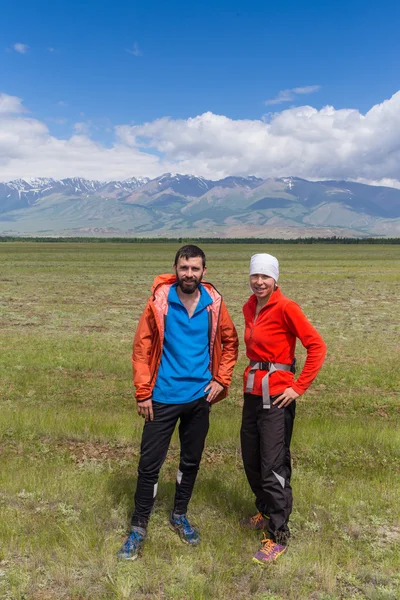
(184, 351)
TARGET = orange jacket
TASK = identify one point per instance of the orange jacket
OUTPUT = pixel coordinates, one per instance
(272, 338)
(149, 338)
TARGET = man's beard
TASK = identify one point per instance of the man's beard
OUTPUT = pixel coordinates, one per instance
(188, 286)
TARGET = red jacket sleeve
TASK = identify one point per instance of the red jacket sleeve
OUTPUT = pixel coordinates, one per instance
(230, 346)
(312, 342)
(141, 355)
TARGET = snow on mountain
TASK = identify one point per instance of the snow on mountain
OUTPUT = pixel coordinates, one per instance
(134, 181)
(176, 202)
(79, 184)
(34, 184)
(186, 185)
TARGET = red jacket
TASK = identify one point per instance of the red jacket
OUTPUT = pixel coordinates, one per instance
(272, 338)
(149, 338)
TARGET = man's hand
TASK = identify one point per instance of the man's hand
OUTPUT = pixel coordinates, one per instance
(145, 409)
(286, 398)
(214, 389)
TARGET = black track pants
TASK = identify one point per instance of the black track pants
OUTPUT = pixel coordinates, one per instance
(265, 438)
(193, 428)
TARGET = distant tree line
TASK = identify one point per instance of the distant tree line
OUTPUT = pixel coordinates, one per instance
(204, 240)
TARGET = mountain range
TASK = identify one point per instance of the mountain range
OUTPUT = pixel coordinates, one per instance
(174, 205)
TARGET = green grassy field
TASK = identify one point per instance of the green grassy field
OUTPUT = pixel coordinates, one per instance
(69, 433)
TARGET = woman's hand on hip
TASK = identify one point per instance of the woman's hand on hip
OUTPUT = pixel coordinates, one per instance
(286, 398)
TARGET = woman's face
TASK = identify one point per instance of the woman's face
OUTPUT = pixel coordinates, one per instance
(262, 285)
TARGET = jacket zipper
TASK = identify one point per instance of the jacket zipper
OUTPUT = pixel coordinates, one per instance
(255, 320)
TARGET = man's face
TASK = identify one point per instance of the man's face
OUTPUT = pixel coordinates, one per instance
(189, 272)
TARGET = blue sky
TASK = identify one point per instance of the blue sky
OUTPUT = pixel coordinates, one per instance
(105, 64)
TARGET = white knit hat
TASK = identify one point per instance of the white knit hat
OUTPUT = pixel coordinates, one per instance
(264, 264)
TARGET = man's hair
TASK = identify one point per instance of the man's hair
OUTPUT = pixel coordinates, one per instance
(190, 251)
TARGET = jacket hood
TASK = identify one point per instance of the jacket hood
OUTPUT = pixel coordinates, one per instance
(166, 278)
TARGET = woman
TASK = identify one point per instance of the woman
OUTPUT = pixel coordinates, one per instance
(272, 324)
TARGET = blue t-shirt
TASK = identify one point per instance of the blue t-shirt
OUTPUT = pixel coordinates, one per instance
(184, 369)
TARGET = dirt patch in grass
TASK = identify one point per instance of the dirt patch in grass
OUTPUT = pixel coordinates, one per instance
(82, 451)
(390, 534)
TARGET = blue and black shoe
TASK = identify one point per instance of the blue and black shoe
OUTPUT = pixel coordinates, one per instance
(133, 545)
(187, 533)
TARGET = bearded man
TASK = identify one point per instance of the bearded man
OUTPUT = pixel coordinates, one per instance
(184, 351)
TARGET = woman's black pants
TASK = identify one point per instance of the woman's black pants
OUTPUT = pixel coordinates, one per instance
(265, 439)
(156, 437)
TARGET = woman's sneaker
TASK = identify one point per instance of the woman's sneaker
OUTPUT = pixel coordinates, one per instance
(133, 545)
(257, 521)
(269, 552)
(183, 528)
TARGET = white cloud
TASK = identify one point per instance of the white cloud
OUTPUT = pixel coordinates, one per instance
(27, 148)
(10, 104)
(308, 89)
(288, 95)
(21, 48)
(302, 141)
(82, 128)
(135, 50)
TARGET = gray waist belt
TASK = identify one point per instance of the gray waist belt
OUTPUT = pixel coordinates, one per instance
(264, 366)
